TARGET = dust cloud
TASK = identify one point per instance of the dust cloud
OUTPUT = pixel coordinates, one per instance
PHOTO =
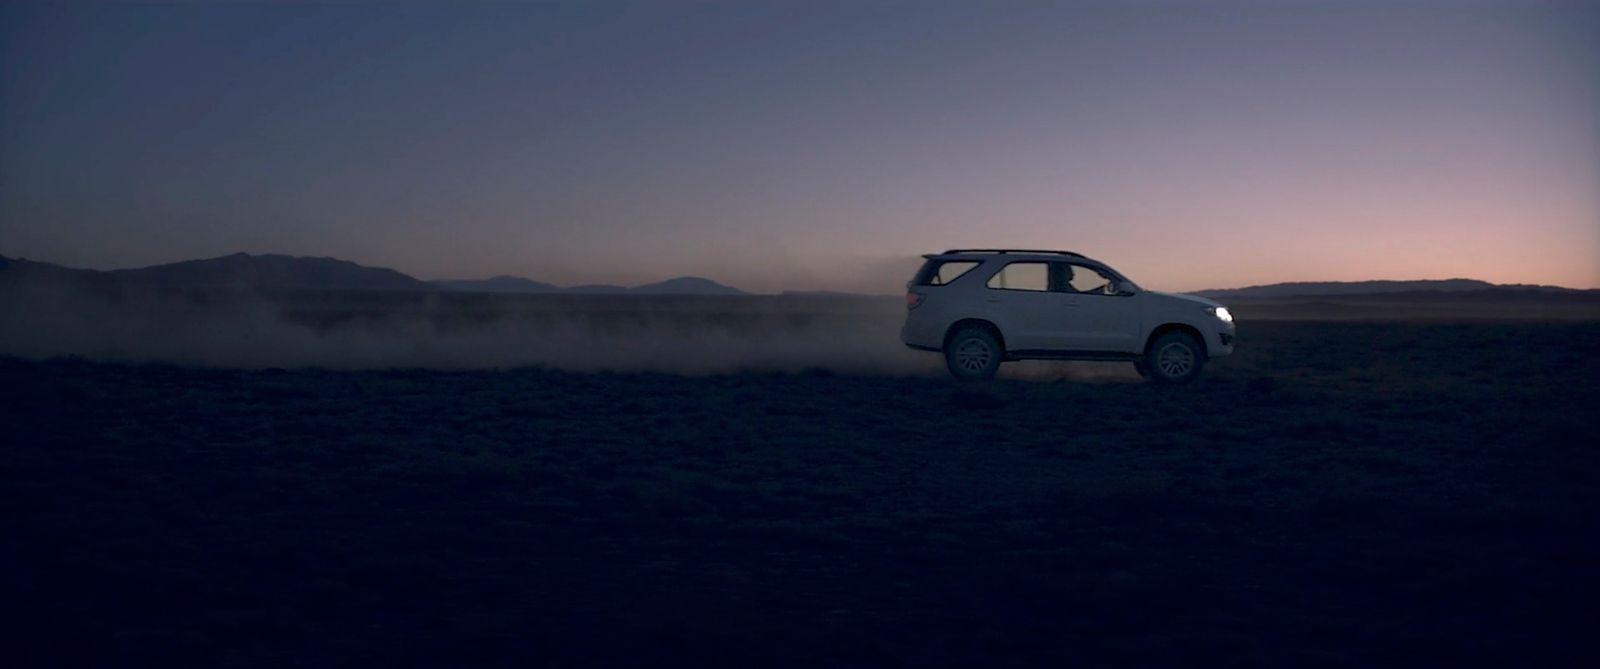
(691, 335)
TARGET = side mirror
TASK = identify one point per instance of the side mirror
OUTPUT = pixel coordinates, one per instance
(1119, 288)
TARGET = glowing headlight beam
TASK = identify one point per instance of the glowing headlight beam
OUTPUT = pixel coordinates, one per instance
(1222, 314)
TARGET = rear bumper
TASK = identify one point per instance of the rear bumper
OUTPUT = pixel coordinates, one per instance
(922, 334)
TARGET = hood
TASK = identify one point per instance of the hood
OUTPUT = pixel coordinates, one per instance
(1181, 297)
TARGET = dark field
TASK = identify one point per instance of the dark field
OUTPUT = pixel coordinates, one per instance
(1337, 494)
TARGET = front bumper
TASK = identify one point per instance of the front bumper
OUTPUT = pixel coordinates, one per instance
(1219, 343)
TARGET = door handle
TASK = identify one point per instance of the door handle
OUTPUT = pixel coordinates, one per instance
(992, 300)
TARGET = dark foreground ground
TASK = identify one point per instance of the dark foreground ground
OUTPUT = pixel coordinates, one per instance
(1338, 494)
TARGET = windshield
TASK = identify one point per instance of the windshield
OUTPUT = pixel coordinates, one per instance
(1127, 282)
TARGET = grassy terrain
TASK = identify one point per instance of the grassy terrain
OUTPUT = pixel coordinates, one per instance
(1336, 494)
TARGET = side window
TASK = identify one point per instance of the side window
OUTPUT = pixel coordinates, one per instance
(951, 271)
(942, 272)
(1022, 276)
(1083, 279)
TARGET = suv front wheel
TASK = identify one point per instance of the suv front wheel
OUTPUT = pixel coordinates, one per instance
(1174, 357)
(973, 354)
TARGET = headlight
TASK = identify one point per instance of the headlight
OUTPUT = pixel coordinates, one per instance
(1221, 313)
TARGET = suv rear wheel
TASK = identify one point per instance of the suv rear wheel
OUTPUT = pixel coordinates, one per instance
(973, 354)
(1174, 357)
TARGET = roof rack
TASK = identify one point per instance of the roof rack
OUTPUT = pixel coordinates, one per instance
(1043, 251)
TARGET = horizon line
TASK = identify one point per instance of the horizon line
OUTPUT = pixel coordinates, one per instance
(779, 292)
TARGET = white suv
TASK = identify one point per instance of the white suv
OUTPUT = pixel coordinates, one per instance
(981, 307)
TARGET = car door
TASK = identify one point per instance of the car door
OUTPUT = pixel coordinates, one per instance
(1018, 298)
(1091, 317)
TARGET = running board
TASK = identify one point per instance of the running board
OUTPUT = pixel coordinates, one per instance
(1045, 354)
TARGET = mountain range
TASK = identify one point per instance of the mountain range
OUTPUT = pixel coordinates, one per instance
(279, 272)
(283, 272)
(240, 270)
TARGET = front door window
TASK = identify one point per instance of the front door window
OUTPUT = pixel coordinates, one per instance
(1099, 320)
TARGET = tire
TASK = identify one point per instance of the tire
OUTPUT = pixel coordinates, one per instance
(1141, 368)
(1174, 358)
(973, 354)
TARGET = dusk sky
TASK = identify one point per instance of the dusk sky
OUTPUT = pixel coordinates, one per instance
(811, 145)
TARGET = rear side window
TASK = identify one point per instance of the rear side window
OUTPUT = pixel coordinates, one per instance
(1022, 276)
(941, 272)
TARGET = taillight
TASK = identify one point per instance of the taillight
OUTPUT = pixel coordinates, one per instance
(913, 299)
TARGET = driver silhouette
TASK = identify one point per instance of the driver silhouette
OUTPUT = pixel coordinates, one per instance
(1066, 279)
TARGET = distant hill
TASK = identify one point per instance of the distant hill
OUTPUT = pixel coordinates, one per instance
(20, 269)
(240, 270)
(278, 272)
(686, 285)
(1331, 288)
(500, 284)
